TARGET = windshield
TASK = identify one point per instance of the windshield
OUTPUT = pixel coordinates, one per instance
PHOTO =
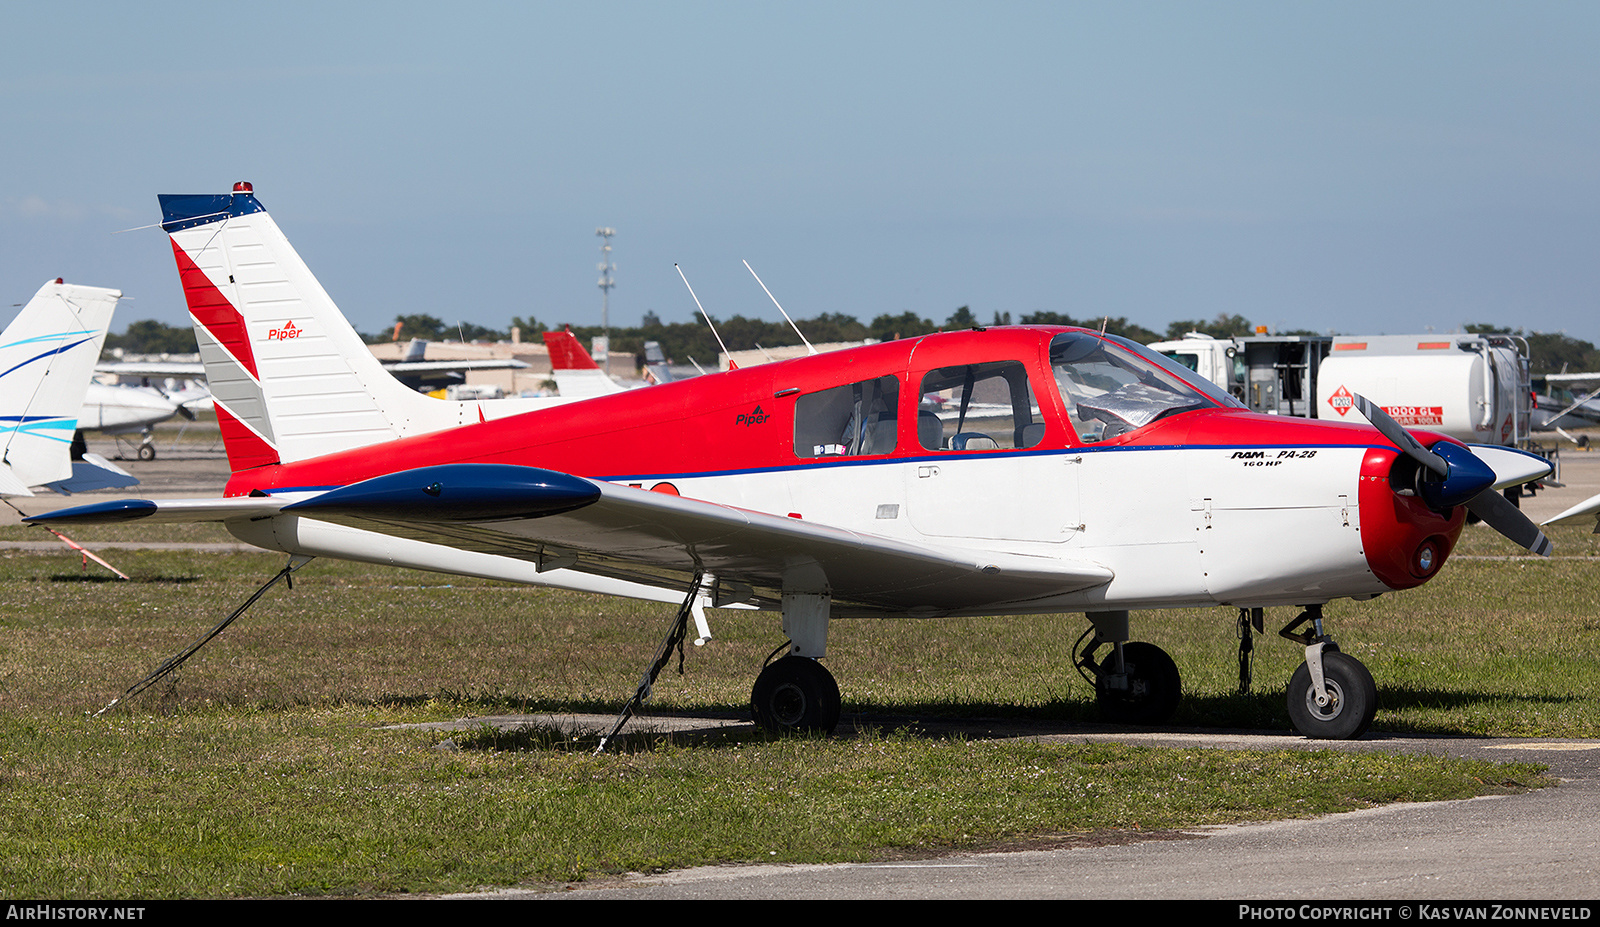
(1113, 386)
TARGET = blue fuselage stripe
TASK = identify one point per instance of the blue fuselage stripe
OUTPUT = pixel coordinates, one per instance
(888, 461)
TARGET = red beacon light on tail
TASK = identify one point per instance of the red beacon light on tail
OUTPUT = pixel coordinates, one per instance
(244, 186)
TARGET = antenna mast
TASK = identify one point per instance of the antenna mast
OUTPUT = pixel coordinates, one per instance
(713, 325)
(780, 308)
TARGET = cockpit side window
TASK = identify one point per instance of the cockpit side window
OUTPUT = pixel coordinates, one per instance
(847, 421)
(1113, 386)
(978, 407)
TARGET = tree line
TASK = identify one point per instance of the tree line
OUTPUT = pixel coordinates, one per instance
(1550, 352)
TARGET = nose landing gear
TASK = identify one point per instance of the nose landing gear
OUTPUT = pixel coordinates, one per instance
(1331, 696)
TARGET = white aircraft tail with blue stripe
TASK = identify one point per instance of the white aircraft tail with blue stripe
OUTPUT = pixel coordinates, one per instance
(47, 355)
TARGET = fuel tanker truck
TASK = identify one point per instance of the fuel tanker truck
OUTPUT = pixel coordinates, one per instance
(1474, 388)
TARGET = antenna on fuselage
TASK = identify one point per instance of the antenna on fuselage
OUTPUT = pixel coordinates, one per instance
(731, 364)
(780, 308)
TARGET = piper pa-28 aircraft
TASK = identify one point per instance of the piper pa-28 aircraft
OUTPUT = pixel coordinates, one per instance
(1058, 470)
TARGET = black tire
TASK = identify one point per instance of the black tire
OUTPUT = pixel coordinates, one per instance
(1353, 699)
(1154, 687)
(796, 695)
(147, 452)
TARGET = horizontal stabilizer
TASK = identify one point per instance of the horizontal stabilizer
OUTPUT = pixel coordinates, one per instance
(11, 484)
(91, 473)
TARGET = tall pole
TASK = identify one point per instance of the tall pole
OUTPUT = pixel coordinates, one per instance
(606, 283)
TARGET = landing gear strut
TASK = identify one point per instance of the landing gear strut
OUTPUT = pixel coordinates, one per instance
(1331, 696)
(1137, 682)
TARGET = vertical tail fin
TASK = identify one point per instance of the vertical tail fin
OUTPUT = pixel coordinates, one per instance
(47, 355)
(577, 375)
(290, 377)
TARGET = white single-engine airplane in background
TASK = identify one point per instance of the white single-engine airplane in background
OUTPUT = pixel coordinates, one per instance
(120, 411)
(1063, 470)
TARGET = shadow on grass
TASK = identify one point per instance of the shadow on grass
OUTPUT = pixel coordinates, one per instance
(930, 720)
(1262, 712)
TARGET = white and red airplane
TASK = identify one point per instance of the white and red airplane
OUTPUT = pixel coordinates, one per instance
(1058, 470)
(576, 374)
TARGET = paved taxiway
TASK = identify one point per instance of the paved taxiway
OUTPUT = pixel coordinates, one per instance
(1542, 845)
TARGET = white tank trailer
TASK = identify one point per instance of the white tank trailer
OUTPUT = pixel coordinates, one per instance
(1474, 388)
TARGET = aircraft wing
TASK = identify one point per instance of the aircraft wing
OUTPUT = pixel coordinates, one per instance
(1573, 379)
(170, 511)
(591, 526)
(559, 521)
(1579, 514)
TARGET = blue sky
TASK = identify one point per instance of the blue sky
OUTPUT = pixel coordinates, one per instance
(1366, 167)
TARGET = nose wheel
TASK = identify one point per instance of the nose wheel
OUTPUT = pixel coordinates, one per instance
(1331, 696)
(1349, 701)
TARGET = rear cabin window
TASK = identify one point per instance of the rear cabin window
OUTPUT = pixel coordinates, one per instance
(978, 407)
(848, 421)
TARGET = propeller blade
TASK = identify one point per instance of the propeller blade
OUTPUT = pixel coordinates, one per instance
(1498, 513)
(1397, 433)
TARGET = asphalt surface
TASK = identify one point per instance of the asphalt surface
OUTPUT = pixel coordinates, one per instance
(1543, 845)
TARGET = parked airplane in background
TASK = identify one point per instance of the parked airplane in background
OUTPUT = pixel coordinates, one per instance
(576, 374)
(128, 410)
(1064, 471)
(46, 355)
(413, 369)
(1568, 401)
(423, 375)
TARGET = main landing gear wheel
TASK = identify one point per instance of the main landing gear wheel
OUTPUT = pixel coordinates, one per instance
(796, 695)
(1352, 699)
(1153, 686)
(147, 452)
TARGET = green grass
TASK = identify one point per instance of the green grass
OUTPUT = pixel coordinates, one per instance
(262, 766)
(317, 801)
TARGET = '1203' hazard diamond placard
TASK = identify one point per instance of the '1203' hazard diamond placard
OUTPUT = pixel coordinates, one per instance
(1342, 401)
